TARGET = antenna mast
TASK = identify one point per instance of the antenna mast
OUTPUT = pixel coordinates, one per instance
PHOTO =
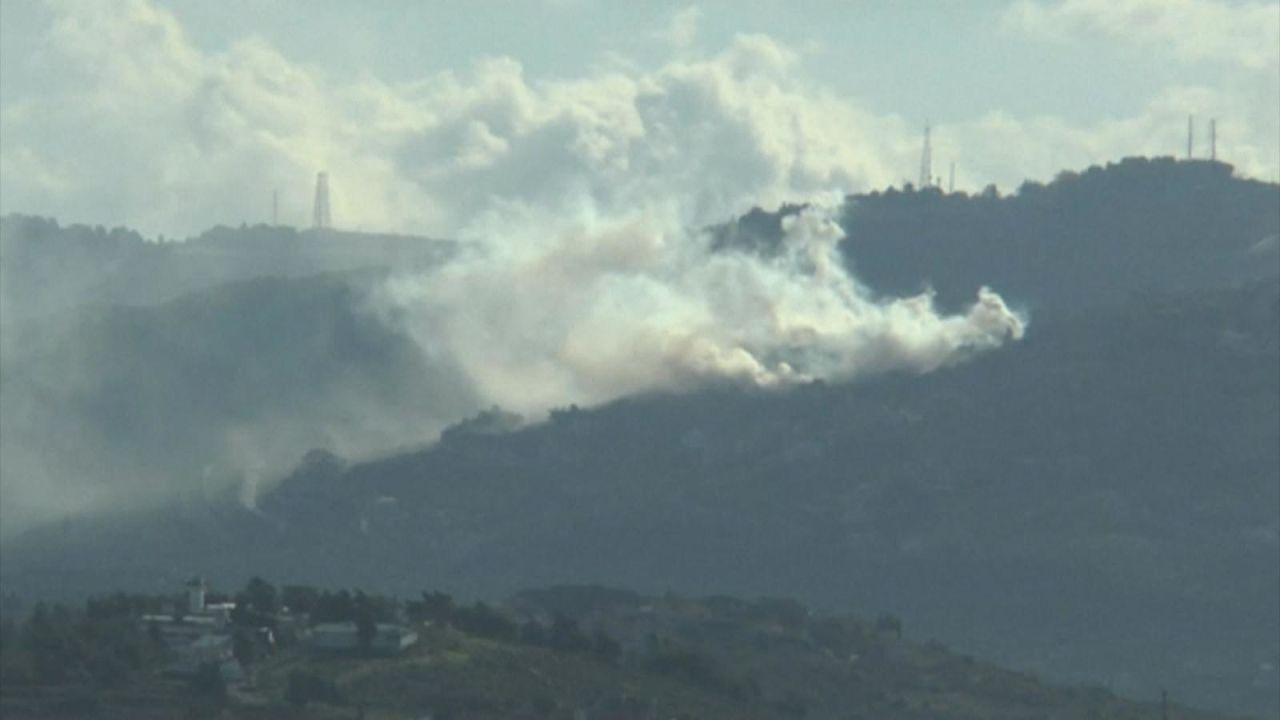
(320, 216)
(926, 161)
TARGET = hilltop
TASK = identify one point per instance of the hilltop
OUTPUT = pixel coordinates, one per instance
(1085, 240)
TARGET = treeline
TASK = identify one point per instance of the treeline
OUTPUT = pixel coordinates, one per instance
(115, 638)
(56, 645)
(1091, 238)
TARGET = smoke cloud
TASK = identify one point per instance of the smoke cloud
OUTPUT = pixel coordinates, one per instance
(551, 308)
(584, 274)
(134, 123)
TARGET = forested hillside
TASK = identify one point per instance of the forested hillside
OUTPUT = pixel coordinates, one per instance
(1084, 240)
(1073, 504)
(1060, 506)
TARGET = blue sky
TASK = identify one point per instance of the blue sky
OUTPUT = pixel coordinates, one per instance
(1014, 88)
(937, 58)
(942, 59)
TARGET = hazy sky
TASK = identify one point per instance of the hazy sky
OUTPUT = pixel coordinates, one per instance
(172, 116)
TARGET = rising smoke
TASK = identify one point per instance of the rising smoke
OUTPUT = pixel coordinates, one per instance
(585, 274)
(585, 307)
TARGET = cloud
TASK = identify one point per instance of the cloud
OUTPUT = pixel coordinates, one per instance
(682, 30)
(138, 126)
(1245, 34)
(174, 140)
(1240, 41)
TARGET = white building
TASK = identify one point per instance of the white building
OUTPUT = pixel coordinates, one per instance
(196, 590)
(345, 636)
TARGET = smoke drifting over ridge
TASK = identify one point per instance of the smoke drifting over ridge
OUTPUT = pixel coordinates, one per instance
(587, 308)
(583, 277)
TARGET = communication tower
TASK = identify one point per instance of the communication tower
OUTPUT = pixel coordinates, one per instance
(926, 161)
(320, 216)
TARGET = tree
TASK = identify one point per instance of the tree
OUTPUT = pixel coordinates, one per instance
(532, 633)
(47, 641)
(209, 683)
(333, 607)
(786, 612)
(366, 621)
(483, 621)
(434, 607)
(299, 598)
(304, 687)
(565, 635)
(605, 646)
(891, 624)
(244, 646)
(262, 596)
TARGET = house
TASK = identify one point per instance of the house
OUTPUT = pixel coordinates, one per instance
(345, 636)
(178, 633)
(206, 649)
(333, 637)
(394, 638)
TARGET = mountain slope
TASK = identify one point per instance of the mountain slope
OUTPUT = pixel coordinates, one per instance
(1074, 505)
(133, 406)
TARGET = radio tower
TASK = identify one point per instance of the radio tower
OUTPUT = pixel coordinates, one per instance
(320, 217)
(926, 161)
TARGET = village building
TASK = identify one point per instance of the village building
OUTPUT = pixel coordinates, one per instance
(345, 637)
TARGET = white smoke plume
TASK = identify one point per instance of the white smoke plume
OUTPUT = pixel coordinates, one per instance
(580, 203)
(546, 309)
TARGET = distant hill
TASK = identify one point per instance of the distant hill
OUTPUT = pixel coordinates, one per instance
(1075, 505)
(129, 406)
(46, 269)
(134, 371)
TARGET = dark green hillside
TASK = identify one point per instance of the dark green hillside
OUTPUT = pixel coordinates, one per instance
(1097, 502)
(1074, 505)
(1083, 240)
(1075, 497)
